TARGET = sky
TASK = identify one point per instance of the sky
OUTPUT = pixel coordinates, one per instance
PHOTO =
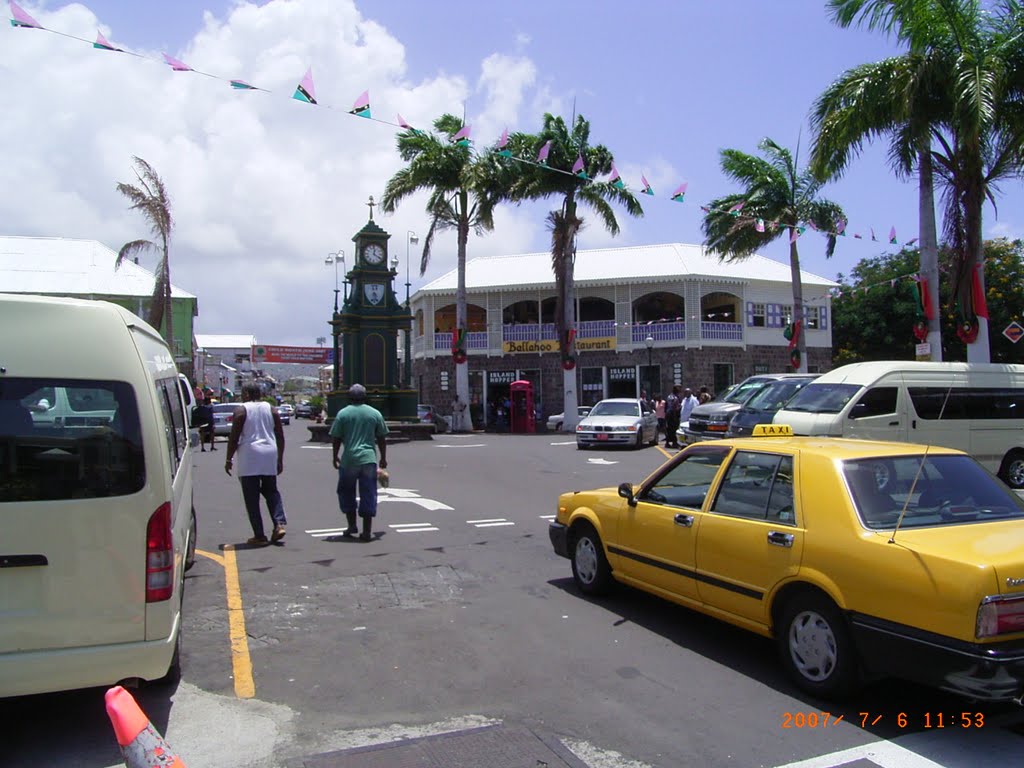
(264, 187)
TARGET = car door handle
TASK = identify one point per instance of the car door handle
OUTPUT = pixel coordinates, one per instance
(780, 539)
(894, 423)
(684, 520)
(22, 561)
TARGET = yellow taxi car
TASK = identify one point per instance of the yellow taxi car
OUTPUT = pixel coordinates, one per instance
(861, 559)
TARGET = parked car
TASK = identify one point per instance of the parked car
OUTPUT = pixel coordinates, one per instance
(286, 408)
(762, 407)
(555, 421)
(710, 421)
(284, 413)
(862, 559)
(223, 415)
(618, 421)
(303, 411)
(427, 414)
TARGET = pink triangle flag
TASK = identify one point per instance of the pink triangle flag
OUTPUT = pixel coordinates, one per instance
(542, 156)
(241, 85)
(647, 190)
(735, 210)
(680, 194)
(795, 233)
(503, 144)
(304, 91)
(892, 235)
(759, 225)
(462, 135)
(22, 19)
(841, 227)
(176, 64)
(579, 168)
(361, 108)
(402, 123)
(103, 44)
(615, 179)
(873, 238)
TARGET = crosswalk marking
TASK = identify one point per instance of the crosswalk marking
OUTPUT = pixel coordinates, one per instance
(490, 522)
(547, 517)
(412, 527)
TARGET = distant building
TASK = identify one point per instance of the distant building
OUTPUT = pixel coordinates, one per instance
(710, 323)
(224, 361)
(84, 269)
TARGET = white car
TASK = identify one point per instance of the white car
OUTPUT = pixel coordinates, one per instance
(618, 421)
(555, 421)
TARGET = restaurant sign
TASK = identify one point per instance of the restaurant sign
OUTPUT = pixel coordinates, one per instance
(551, 345)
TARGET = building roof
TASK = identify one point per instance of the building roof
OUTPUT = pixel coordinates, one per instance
(602, 266)
(225, 340)
(58, 266)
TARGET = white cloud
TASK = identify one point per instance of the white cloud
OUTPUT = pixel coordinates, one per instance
(262, 186)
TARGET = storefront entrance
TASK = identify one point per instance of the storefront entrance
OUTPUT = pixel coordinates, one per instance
(498, 400)
(591, 386)
(622, 382)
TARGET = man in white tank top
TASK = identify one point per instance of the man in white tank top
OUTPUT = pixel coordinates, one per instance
(258, 438)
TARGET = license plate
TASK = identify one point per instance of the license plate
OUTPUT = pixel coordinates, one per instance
(602, 436)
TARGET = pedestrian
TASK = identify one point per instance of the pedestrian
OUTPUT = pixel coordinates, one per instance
(659, 411)
(686, 405)
(673, 406)
(202, 418)
(458, 414)
(704, 396)
(360, 427)
(258, 438)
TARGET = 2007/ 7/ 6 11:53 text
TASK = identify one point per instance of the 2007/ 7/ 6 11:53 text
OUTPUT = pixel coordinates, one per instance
(902, 720)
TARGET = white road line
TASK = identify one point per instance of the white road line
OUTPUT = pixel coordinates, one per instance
(416, 530)
(547, 517)
(315, 531)
(408, 525)
(468, 445)
(492, 525)
(488, 520)
(885, 754)
(337, 532)
(567, 442)
(316, 447)
(428, 504)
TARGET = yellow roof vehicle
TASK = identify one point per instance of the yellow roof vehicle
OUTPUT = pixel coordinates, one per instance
(862, 559)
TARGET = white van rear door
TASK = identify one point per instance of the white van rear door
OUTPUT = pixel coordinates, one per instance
(73, 509)
(878, 413)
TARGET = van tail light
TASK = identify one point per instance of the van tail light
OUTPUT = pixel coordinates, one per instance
(1000, 615)
(159, 555)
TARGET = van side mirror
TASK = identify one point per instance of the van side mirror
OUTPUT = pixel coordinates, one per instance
(626, 492)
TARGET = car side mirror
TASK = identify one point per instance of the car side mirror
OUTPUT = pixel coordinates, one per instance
(626, 492)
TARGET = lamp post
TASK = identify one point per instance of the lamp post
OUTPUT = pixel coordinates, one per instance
(649, 341)
(410, 239)
(334, 258)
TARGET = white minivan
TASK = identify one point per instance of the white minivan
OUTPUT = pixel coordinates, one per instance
(975, 407)
(96, 508)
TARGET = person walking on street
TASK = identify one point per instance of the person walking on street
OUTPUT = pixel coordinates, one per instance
(673, 407)
(458, 414)
(258, 438)
(362, 429)
(686, 405)
(659, 411)
(202, 418)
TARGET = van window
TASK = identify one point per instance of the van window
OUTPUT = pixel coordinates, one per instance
(877, 401)
(973, 403)
(169, 396)
(92, 449)
(823, 398)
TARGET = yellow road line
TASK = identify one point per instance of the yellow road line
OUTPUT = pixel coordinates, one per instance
(245, 687)
(216, 558)
(660, 448)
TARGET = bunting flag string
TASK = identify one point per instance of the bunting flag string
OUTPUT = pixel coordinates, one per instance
(305, 92)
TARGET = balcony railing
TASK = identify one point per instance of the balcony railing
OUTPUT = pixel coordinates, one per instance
(675, 331)
(474, 340)
(721, 331)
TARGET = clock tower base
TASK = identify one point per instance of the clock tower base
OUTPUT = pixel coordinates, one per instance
(394, 404)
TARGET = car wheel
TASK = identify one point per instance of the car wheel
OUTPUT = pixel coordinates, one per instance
(193, 531)
(1012, 471)
(558, 427)
(815, 646)
(639, 439)
(590, 567)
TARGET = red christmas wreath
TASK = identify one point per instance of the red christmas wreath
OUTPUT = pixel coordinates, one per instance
(967, 330)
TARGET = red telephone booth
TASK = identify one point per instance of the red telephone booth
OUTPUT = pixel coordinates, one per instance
(521, 395)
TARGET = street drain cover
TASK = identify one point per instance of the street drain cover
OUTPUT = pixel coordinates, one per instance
(495, 746)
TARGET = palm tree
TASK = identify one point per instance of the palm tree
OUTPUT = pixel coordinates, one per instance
(532, 181)
(458, 199)
(975, 74)
(776, 199)
(150, 198)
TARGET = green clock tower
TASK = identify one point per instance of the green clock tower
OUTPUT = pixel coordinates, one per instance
(368, 323)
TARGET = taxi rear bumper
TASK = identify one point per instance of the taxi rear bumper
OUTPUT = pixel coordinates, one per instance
(990, 672)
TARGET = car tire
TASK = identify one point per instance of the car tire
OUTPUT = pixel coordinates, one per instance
(580, 446)
(558, 427)
(190, 550)
(1012, 470)
(815, 646)
(639, 440)
(590, 567)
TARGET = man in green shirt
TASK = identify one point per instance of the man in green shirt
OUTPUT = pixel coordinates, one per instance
(362, 429)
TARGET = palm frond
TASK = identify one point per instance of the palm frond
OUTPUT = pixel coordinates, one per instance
(129, 250)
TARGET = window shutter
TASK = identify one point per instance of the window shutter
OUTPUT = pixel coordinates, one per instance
(750, 313)
(823, 318)
(774, 315)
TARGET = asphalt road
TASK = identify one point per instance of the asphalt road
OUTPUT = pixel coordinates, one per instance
(459, 616)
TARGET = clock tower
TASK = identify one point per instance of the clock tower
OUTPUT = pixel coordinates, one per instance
(369, 323)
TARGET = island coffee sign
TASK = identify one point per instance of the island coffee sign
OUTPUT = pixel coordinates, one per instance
(551, 345)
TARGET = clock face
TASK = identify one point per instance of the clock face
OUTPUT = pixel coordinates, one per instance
(373, 292)
(374, 253)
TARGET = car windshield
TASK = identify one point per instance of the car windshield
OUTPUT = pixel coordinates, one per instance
(608, 408)
(823, 398)
(776, 394)
(744, 391)
(935, 490)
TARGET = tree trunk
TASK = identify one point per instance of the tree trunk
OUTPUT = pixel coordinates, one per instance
(929, 250)
(462, 371)
(798, 301)
(168, 306)
(569, 378)
(974, 256)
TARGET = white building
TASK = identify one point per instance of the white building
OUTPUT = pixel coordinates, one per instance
(709, 323)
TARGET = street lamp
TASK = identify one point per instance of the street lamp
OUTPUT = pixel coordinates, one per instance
(410, 239)
(649, 341)
(334, 258)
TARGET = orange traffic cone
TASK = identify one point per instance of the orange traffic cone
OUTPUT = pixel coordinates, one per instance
(141, 745)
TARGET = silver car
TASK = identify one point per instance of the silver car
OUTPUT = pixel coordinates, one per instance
(618, 421)
(555, 420)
